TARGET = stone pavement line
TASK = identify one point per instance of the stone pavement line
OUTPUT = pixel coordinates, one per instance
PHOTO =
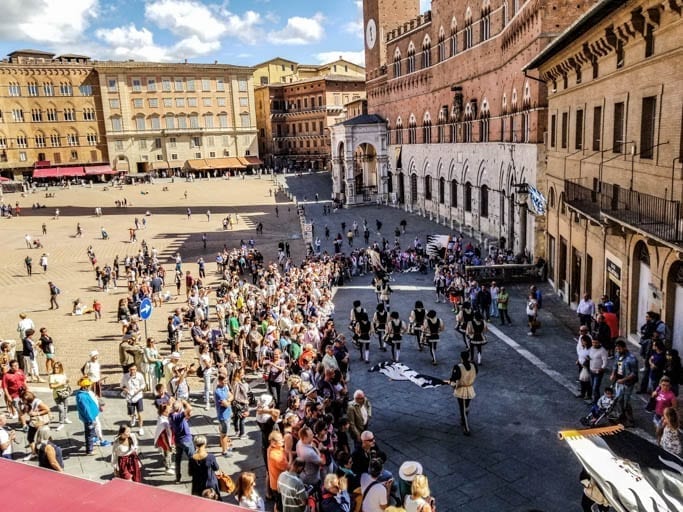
(553, 374)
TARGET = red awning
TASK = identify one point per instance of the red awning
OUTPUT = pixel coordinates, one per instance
(58, 172)
(35, 488)
(254, 160)
(99, 169)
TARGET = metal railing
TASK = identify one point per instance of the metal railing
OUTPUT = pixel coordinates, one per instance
(652, 214)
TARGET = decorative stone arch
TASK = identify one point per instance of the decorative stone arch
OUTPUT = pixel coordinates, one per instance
(454, 25)
(442, 34)
(468, 15)
(485, 110)
(360, 164)
(481, 173)
(411, 48)
(513, 99)
(486, 6)
(526, 98)
(426, 42)
(504, 104)
(641, 277)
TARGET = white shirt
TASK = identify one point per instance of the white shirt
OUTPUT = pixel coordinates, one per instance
(375, 497)
(598, 358)
(135, 386)
(4, 438)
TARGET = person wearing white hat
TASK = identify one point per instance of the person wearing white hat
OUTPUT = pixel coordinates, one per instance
(406, 474)
(91, 370)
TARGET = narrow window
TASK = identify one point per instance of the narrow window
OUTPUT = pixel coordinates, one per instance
(618, 130)
(565, 129)
(647, 127)
(578, 142)
(597, 124)
(553, 128)
(649, 41)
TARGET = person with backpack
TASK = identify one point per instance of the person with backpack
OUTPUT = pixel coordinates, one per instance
(54, 291)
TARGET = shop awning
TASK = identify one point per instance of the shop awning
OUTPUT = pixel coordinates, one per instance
(58, 172)
(3, 179)
(96, 170)
(159, 165)
(631, 472)
(225, 163)
(197, 164)
(250, 160)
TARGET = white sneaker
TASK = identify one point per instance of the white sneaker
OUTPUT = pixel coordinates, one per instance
(59, 427)
(30, 456)
(68, 421)
(141, 431)
(170, 471)
(479, 358)
(133, 421)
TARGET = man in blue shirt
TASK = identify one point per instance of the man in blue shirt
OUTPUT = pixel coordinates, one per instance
(181, 431)
(223, 400)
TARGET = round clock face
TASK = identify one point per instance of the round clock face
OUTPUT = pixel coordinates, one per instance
(371, 34)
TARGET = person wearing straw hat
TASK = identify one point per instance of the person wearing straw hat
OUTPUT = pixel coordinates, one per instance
(406, 474)
(88, 412)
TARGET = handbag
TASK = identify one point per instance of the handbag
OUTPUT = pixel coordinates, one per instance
(651, 404)
(225, 483)
(63, 393)
(39, 421)
(584, 374)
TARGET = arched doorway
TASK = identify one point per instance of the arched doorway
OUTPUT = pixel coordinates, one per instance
(674, 304)
(401, 188)
(640, 298)
(365, 171)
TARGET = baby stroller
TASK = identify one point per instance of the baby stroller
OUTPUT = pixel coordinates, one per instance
(601, 416)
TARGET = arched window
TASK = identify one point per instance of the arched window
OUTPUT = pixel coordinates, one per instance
(441, 128)
(454, 194)
(413, 188)
(397, 63)
(411, 58)
(399, 130)
(484, 201)
(427, 129)
(468, 197)
(468, 29)
(442, 190)
(485, 29)
(551, 197)
(428, 188)
(484, 121)
(454, 37)
(412, 130)
(442, 45)
(426, 52)
(40, 139)
(91, 137)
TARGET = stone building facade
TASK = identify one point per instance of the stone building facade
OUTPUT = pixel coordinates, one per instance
(284, 71)
(293, 119)
(173, 117)
(50, 113)
(614, 176)
(464, 125)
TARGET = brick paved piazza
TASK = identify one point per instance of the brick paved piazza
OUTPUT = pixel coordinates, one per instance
(168, 229)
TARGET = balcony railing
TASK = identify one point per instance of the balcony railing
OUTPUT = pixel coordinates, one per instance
(654, 215)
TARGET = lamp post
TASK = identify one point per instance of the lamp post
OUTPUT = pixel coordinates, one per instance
(522, 193)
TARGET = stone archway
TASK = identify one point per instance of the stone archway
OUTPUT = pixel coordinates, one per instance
(640, 284)
(365, 171)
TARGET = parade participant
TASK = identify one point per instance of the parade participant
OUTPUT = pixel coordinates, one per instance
(133, 388)
(395, 329)
(462, 379)
(464, 319)
(416, 322)
(432, 327)
(385, 292)
(353, 318)
(478, 335)
(363, 335)
(379, 324)
(125, 459)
